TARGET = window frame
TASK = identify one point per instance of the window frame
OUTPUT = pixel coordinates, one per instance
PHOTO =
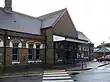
(31, 48)
(38, 51)
(14, 53)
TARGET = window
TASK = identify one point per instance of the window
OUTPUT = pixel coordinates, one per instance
(15, 51)
(79, 48)
(37, 51)
(30, 52)
(37, 56)
(37, 46)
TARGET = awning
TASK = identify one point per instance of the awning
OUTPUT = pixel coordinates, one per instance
(74, 40)
(60, 38)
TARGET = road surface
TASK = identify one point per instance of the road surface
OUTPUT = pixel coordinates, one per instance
(101, 74)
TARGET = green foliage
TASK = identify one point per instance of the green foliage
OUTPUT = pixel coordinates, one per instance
(107, 44)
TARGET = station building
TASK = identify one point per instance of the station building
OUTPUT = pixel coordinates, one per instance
(48, 39)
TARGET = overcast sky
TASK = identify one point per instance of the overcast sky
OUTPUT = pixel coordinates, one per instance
(92, 17)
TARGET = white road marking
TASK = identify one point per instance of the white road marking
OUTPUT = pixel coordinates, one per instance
(57, 76)
(58, 81)
(101, 67)
(55, 73)
(66, 77)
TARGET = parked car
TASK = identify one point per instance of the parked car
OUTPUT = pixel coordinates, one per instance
(104, 58)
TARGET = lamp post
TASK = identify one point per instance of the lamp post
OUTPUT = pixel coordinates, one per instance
(103, 47)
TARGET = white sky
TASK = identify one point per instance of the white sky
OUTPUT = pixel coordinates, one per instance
(92, 17)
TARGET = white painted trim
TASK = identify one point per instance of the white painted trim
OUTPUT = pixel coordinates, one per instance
(58, 18)
(38, 61)
(1, 43)
(34, 46)
(30, 61)
(15, 62)
(11, 44)
(41, 46)
(37, 42)
(20, 45)
(27, 45)
(73, 40)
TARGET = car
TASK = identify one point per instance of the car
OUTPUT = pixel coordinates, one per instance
(104, 58)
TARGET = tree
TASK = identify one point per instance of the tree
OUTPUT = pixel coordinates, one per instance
(107, 44)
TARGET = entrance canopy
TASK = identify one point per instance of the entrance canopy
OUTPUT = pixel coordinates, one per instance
(62, 38)
(58, 38)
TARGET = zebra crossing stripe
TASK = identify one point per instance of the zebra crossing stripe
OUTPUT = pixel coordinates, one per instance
(59, 81)
(101, 68)
(57, 76)
(55, 73)
(66, 77)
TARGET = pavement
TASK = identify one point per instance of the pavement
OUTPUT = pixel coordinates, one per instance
(39, 72)
(87, 66)
(31, 73)
(100, 74)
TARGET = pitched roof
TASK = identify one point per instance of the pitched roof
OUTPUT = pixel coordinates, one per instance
(96, 49)
(19, 22)
(108, 48)
(83, 36)
(104, 49)
(28, 24)
(49, 19)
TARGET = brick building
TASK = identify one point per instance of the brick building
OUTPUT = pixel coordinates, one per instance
(47, 39)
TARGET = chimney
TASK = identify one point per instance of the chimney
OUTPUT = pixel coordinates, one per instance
(8, 6)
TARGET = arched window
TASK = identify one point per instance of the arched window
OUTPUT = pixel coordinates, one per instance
(30, 46)
(37, 50)
(1, 43)
(15, 41)
(15, 44)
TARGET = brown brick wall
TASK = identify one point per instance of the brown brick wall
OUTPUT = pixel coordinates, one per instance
(22, 51)
(50, 54)
(1, 56)
(8, 56)
(65, 27)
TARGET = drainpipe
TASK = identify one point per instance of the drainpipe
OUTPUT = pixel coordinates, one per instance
(5, 38)
(45, 47)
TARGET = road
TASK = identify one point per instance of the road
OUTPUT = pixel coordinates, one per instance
(23, 79)
(101, 74)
